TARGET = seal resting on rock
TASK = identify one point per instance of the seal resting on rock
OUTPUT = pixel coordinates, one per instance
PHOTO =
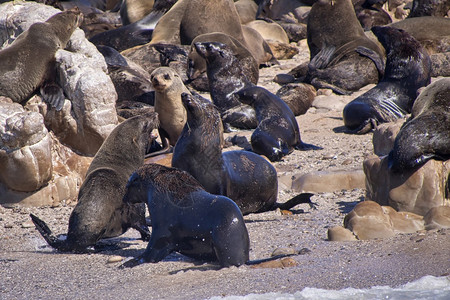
(100, 211)
(245, 177)
(29, 62)
(189, 220)
(225, 77)
(343, 59)
(408, 68)
(277, 133)
(426, 135)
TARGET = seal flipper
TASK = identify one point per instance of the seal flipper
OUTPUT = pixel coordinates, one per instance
(46, 233)
(53, 94)
(322, 59)
(374, 56)
(300, 198)
(305, 147)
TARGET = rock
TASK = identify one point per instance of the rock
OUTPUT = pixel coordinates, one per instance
(25, 148)
(404, 222)
(28, 224)
(414, 191)
(328, 181)
(145, 56)
(437, 218)
(114, 259)
(333, 102)
(298, 96)
(280, 263)
(340, 234)
(384, 136)
(368, 221)
(284, 251)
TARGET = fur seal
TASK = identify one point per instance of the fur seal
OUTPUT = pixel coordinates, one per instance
(346, 59)
(277, 133)
(426, 134)
(408, 68)
(245, 177)
(435, 8)
(190, 18)
(134, 10)
(100, 211)
(189, 220)
(21, 73)
(172, 114)
(225, 77)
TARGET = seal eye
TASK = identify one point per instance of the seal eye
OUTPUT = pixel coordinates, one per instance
(166, 76)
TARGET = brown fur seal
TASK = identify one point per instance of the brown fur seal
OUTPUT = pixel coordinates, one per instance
(426, 134)
(408, 68)
(277, 133)
(245, 177)
(134, 10)
(197, 64)
(189, 220)
(29, 62)
(434, 8)
(190, 18)
(346, 59)
(172, 115)
(225, 77)
(100, 212)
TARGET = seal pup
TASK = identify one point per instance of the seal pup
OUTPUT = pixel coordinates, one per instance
(100, 211)
(408, 68)
(172, 114)
(343, 60)
(426, 134)
(225, 77)
(246, 177)
(21, 73)
(189, 220)
(277, 133)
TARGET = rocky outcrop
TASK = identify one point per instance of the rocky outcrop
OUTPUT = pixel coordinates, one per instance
(328, 181)
(384, 137)
(415, 191)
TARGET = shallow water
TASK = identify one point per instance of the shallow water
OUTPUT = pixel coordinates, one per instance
(425, 288)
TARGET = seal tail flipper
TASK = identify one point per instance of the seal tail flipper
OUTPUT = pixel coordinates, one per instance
(46, 233)
(300, 198)
(53, 94)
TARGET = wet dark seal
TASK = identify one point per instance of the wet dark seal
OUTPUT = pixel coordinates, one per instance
(343, 59)
(245, 177)
(189, 220)
(277, 133)
(29, 62)
(426, 134)
(408, 68)
(100, 211)
(225, 77)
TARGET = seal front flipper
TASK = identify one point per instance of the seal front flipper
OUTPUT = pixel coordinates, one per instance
(53, 94)
(322, 59)
(46, 233)
(300, 198)
(305, 147)
(374, 56)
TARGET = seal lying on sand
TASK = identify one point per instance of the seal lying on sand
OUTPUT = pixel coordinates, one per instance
(408, 68)
(277, 133)
(29, 62)
(246, 177)
(225, 77)
(187, 219)
(426, 135)
(100, 211)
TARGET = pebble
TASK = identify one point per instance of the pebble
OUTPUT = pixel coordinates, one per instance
(347, 161)
(28, 224)
(283, 251)
(114, 259)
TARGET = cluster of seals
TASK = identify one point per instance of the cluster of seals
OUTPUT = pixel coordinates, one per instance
(245, 177)
(343, 59)
(426, 134)
(226, 76)
(100, 211)
(277, 133)
(172, 114)
(29, 62)
(408, 68)
(187, 219)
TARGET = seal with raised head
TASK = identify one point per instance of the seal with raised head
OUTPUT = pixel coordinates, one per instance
(426, 134)
(246, 177)
(189, 220)
(277, 133)
(343, 60)
(172, 114)
(29, 62)
(408, 68)
(225, 77)
(100, 211)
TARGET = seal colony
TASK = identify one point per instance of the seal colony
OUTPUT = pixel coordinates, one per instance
(21, 74)
(100, 212)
